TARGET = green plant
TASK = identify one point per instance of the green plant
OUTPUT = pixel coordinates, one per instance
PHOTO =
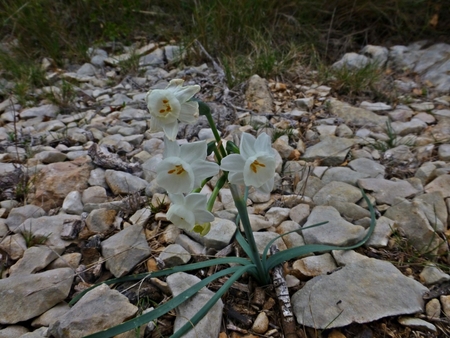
(174, 173)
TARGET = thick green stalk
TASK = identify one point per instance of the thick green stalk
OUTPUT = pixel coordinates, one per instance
(220, 183)
(241, 206)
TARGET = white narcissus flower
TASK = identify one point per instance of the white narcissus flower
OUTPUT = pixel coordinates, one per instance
(254, 166)
(187, 211)
(184, 167)
(170, 105)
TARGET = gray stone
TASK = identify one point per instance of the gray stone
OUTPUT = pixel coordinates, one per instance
(42, 332)
(47, 110)
(336, 232)
(382, 232)
(300, 213)
(141, 217)
(433, 309)
(342, 174)
(209, 326)
(401, 153)
(50, 156)
(345, 257)
(191, 246)
(101, 220)
(18, 215)
(86, 70)
(354, 116)
(414, 223)
(376, 106)
(309, 186)
(149, 167)
(258, 96)
(72, 203)
(352, 61)
(329, 301)
(444, 152)
(99, 309)
(315, 265)
(414, 126)
(350, 211)
(97, 177)
(174, 255)
(337, 191)
(42, 290)
(262, 239)
(434, 209)
(14, 245)
(125, 249)
(95, 194)
(276, 215)
(431, 274)
(49, 317)
(377, 54)
(332, 151)
(34, 259)
(417, 323)
(220, 235)
(385, 191)
(258, 222)
(13, 331)
(292, 239)
(367, 167)
(123, 183)
(441, 183)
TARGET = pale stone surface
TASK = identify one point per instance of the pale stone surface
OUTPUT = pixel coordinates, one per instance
(43, 290)
(261, 323)
(125, 249)
(209, 326)
(97, 310)
(331, 301)
(174, 255)
(336, 231)
(34, 259)
(315, 265)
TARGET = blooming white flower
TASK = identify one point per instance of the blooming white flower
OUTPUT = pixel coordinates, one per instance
(184, 167)
(169, 105)
(255, 165)
(187, 211)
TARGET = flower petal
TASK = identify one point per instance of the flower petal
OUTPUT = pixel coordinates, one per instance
(203, 169)
(163, 105)
(267, 187)
(203, 216)
(236, 177)
(171, 130)
(176, 198)
(259, 169)
(194, 151)
(175, 175)
(189, 112)
(171, 148)
(233, 162)
(247, 147)
(183, 94)
(195, 201)
(181, 216)
(263, 144)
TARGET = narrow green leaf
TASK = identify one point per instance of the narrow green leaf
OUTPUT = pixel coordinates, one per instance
(199, 315)
(163, 309)
(232, 148)
(286, 255)
(165, 272)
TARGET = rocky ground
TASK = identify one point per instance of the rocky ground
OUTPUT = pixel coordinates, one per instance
(79, 204)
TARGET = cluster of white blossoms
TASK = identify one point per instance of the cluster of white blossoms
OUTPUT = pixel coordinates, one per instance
(185, 167)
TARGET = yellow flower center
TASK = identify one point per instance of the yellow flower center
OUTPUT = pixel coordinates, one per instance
(177, 170)
(255, 164)
(166, 107)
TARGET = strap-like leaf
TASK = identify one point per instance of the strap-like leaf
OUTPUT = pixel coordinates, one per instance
(199, 315)
(163, 309)
(285, 255)
(166, 272)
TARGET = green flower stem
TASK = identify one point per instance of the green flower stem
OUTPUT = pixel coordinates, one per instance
(206, 111)
(241, 206)
(220, 183)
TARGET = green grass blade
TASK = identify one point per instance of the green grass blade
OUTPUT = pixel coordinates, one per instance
(283, 256)
(267, 248)
(199, 315)
(165, 272)
(244, 245)
(166, 307)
